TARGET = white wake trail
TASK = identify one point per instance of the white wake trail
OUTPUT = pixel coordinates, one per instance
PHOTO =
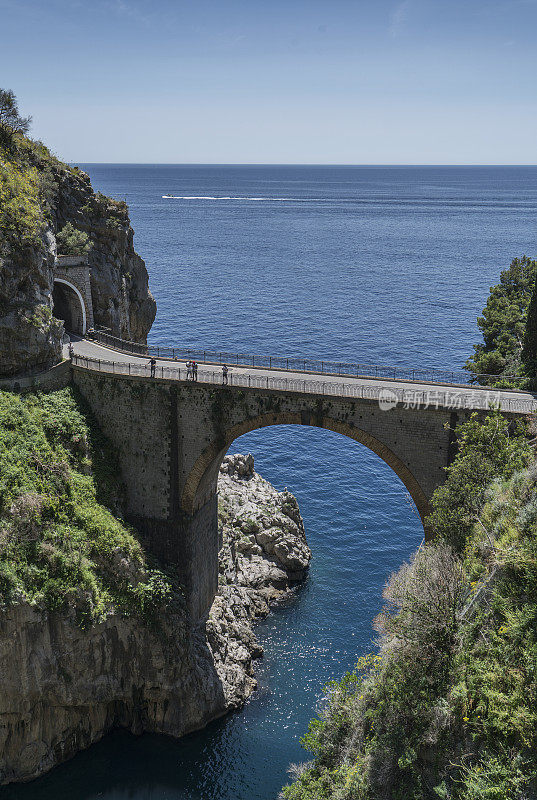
(251, 199)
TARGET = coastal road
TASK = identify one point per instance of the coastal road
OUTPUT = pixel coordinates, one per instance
(389, 393)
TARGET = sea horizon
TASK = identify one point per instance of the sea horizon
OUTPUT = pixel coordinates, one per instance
(288, 164)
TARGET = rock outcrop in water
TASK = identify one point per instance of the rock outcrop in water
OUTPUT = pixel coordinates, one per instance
(264, 553)
(42, 195)
(63, 687)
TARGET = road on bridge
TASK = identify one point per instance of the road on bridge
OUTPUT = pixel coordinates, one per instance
(412, 393)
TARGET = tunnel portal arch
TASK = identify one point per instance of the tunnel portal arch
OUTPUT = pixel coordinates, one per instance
(201, 483)
(69, 306)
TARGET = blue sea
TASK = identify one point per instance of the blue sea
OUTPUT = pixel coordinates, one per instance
(386, 265)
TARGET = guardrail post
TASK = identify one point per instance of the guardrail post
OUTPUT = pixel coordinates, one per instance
(129, 367)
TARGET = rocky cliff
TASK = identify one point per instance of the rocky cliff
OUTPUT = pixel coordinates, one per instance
(39, 195)
(63, 687)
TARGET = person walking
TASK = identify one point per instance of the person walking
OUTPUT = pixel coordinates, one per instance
(153, 363)
(188, 370)
(225, 371)
(195, 370)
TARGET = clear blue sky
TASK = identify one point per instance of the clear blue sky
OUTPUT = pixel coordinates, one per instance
(276, 81)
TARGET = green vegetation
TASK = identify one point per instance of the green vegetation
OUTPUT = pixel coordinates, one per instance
(485, 452)
(20, 209)
(503, 326)
(449, 707)
(72, 242)
(529, 349)
(29, 180)
(62, 545)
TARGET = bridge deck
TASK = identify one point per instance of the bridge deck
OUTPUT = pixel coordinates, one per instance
(388, 393)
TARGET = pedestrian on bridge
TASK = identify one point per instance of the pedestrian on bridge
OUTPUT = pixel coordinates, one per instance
(188, 370)
(153, 364)
(225, 370)
(194, 370)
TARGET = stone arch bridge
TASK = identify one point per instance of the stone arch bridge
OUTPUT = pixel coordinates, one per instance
(171, 435)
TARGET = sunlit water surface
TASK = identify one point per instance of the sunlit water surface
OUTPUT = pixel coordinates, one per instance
(384, 265)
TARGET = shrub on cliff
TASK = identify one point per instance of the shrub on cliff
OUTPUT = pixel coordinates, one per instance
(503, 325)
(61, 546)
(20, 210)
(487, 449)
(72, 242)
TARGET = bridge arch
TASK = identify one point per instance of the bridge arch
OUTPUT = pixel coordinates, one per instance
(201, 483)
(66, 307)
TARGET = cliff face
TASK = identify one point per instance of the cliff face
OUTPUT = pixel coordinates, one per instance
(64, 687)
(29, 336)
(119, 280)
(40, 194)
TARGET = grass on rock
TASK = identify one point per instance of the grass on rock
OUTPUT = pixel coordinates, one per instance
(63, 543)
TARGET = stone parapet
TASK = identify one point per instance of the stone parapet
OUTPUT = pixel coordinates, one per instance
(71, 261)
(57, 377)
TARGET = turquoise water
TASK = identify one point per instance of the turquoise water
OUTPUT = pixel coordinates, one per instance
(377, 264)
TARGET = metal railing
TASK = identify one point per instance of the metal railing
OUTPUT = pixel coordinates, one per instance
(296, 364)
(386, 397)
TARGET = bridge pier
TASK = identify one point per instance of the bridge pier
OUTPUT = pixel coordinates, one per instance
(190, 542)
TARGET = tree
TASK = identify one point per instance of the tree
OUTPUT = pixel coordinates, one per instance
(529, 350)
(503, 323)
(11, 121)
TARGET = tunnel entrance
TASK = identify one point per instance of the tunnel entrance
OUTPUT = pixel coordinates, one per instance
(69, 306)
